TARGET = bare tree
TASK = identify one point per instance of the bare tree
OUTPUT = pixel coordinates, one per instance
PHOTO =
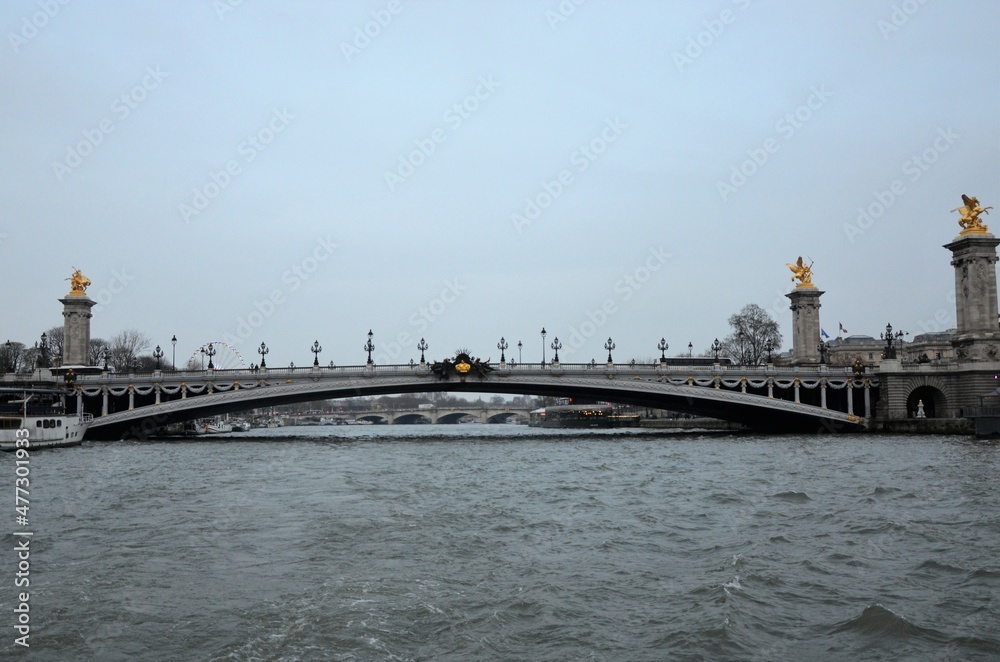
(56, 340)
(755, 335)
(97, 346)
(125, 348)
(12, 356)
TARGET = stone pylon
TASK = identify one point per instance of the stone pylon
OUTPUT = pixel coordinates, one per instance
(974, 256)
(76, 329)
(805, 324)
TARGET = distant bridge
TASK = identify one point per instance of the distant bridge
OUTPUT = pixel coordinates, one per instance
(480, 411)
(766, 398)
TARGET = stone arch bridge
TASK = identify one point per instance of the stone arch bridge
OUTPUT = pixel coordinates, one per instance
(765, 398)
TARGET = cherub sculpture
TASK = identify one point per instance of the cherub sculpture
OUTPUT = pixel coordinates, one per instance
(801, 271)
(970, 212)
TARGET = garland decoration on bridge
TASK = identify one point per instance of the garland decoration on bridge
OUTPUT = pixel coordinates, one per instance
(462, 365)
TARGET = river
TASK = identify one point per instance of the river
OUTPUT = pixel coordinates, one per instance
(484, 542)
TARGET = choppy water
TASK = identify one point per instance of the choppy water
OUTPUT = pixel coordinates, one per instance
(510, 543)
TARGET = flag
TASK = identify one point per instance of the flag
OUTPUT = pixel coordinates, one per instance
(823, 333)
(842, 329)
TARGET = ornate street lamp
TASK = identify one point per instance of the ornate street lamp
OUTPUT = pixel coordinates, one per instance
(104, 357)
(369, 347)
(519, 346)
(556, 346)
(690, 347)
(663, 346)
(43, 352)
(502, 345)
(316, 349)
(543, 346)
(422, 346)
(716, 347)
(158, 355)
(769, 347)
(610, 345)
(210, 351)
(263, 350)
(889, 337)
(822, 349)
(173, 356)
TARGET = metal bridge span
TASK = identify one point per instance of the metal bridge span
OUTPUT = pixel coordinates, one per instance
(766, 398)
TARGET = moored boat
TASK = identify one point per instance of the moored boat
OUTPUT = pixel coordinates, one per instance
(38, 416)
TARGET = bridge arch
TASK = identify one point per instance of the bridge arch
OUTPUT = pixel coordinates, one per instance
(933, 391)
(763, 398)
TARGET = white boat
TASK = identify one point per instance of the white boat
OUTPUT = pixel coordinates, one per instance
(38, 416)
(217, 427)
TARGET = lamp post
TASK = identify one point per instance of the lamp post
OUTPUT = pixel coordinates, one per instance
(422, 346)
(210, 351)
(502, 345)
(43, 351)
(316, 349)
(742, 337)
(716, 347)
(556, 346)
(543, 346)
(263, 350)
(519, 346)
(158, 355)
(690, 347)
(889, 337)
(369, 347)
(610, 345)
(663, 346)
(104, 357)
(822, 349)
(769, 347)
(173, 355)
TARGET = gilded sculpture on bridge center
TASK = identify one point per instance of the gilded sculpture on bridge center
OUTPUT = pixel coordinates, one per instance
(78, 284)
(802, 272)
(970, 212)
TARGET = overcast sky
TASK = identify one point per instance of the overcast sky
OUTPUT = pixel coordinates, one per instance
(284, 172)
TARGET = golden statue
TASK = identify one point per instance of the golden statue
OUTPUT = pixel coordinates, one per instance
(969, 221)
(78, 284)
(801, 271)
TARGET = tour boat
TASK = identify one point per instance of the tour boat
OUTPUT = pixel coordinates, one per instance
(41, 414)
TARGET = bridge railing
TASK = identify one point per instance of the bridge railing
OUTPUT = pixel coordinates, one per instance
(654, 368)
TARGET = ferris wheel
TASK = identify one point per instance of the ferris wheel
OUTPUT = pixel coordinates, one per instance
(221, 355)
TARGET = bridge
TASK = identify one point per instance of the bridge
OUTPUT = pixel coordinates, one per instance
(479, 411)
(766, 398)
